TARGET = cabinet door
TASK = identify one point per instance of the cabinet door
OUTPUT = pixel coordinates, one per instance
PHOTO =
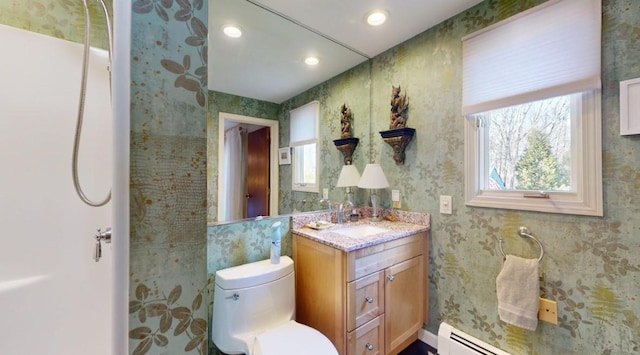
(404, 287)
(320, 289)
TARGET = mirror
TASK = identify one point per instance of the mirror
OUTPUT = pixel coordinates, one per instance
(245, 145)
(269, 97)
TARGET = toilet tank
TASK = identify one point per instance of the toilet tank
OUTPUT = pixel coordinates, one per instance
(250, 299)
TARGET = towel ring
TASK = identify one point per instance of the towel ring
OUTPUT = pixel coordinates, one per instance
(524, 232)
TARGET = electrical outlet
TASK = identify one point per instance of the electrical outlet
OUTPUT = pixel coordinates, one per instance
(325, 193)
(548, 311)
(395, 199)
(445, 204)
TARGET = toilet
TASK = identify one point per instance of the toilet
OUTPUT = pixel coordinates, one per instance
(254, 309)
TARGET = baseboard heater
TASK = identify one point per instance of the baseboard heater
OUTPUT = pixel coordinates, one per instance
(452, 341)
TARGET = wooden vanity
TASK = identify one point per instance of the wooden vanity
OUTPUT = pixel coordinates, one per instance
(368, 295)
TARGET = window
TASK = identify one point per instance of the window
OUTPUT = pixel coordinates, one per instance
(531, 99)
(304, 143)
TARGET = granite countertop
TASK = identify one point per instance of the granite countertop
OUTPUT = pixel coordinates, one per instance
(331, 236)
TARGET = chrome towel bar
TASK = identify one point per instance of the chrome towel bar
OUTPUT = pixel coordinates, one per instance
(524, 232)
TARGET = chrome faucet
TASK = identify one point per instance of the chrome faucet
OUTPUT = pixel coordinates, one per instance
(341, 210)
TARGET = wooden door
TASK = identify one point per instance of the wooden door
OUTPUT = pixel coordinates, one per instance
(258, 173)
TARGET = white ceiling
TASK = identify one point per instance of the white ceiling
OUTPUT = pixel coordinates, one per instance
(266, 63)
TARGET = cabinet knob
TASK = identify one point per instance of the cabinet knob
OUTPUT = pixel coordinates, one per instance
(369, 346)
(369, 299)
(391, 277)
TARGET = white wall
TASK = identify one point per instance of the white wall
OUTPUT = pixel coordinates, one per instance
(54, 299)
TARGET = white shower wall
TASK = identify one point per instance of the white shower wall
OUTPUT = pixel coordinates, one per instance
(54, 299)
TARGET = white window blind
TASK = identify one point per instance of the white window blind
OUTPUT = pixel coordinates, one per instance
(303, 138)
(304, 123)
(550, 50)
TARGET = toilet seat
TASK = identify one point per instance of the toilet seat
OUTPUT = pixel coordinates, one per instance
(293, 338)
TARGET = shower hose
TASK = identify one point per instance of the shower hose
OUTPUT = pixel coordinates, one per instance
(83, 92)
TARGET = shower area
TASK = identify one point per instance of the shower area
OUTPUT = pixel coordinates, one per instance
(57, 268)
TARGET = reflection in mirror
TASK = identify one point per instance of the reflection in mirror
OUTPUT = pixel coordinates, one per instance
(247, 179)
(262, 74)
(303, 139)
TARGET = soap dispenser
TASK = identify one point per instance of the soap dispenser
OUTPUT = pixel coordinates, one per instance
(276, 239)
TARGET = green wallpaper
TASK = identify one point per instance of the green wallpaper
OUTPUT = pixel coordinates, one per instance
(590, 267)
(168, 279)
(351, 88)
(58, 18)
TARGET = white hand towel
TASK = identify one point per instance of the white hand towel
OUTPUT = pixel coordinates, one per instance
(518, 287)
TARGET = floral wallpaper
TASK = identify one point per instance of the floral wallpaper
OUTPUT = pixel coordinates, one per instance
(352, 88)
(168, 282)
(169, 310)
(590, 268)
(57, 18)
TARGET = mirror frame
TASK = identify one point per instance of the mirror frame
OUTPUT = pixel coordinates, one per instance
(274, 167)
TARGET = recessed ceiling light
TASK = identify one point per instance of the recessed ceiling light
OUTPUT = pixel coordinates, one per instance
(312, 61)
(376, 17)
(232, 31)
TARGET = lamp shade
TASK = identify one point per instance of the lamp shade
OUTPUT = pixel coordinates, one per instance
(349, 176)
(373, 178)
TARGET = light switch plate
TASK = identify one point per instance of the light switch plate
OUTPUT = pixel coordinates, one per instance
(325, 193)
(445, 204)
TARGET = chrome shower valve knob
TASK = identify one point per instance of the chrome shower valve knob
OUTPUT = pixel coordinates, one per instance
(100, 236)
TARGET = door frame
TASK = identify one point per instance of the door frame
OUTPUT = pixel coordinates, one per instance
(274, 194)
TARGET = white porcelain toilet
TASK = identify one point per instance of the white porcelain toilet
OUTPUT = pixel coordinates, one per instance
(253, 313)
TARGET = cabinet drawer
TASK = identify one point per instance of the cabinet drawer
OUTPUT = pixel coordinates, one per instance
(367, 339)
(365, 299)
(364, 261)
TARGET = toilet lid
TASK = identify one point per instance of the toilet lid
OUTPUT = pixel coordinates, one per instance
(293, 338)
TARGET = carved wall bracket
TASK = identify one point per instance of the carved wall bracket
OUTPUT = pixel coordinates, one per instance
(347, 146)
(398, 139)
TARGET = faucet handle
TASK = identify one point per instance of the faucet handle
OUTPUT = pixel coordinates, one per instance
(354, 215)
(326, 201)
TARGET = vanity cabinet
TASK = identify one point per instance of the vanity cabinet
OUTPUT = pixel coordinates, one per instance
(370, 300)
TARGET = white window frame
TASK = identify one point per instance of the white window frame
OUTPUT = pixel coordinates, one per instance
(508, 64)
(295, 186)
(586, 178)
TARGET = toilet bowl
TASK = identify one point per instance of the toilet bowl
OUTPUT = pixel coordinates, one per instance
(253, 312)
(293, 338)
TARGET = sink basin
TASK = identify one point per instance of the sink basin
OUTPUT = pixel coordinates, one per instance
(362, 230)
